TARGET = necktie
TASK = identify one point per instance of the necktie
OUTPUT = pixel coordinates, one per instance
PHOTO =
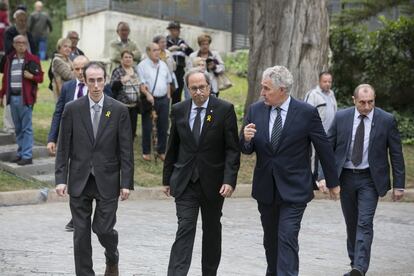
(197, 125)
(277, 129)
(80, 89)
(358, 148)
(96, 117)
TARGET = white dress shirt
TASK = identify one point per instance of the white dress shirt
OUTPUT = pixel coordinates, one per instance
(367, 130)
(273, 114)
(147, 72)
(193, 114)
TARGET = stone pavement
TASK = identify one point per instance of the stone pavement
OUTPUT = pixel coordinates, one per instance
(33, 242)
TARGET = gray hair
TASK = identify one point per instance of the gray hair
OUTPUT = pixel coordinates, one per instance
(193, 71)
(280, 76)
(18, 13)
(365, 87)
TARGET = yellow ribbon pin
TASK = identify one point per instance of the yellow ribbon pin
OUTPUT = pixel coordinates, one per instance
(108, 114)
(208, 118)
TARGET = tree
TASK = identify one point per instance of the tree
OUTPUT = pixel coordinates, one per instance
(292, 33)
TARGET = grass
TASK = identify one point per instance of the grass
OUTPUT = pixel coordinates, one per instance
(149, 174)
(10, 182)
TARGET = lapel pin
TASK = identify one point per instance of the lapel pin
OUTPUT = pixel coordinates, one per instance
(108, 114)
(209, 118)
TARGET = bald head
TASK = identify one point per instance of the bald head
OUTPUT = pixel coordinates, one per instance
(78, 65)
(38, 6)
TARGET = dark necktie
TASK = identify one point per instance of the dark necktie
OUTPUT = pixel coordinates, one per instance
(197, 125)
(277, 129)
(358, 148)
(96, 117)
(80, 89)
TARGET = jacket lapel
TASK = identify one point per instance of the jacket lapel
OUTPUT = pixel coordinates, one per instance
(266, 119)
(86, 118)
(208, 119)
(105, 117)
(187, 113)
(375, 121)
(349, 125)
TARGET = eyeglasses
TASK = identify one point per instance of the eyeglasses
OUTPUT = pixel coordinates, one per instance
(201, 88)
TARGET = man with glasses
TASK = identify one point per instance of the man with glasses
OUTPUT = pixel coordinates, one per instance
(155, 84)
(74, 37)
(95, 161)
(200, 170)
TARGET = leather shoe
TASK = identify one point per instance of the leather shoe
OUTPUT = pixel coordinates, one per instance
(111, 270)
(146, 157)
(15, 159)
(23, 162)
(69, 226)
(356, 272)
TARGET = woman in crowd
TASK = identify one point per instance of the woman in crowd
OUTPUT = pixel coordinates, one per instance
(214, 62)
(125, 86)
(61, 65)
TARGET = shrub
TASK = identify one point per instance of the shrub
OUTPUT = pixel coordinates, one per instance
(237, 63)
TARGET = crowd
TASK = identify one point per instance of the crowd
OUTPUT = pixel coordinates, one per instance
(299, 145)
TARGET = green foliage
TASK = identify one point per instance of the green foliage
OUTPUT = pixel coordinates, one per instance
(406, 126)
(383, 58)
(237, 63)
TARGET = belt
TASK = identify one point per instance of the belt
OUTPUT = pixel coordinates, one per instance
(159, 98)
(357, 171)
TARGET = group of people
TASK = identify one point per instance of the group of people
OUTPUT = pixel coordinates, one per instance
(298, 146)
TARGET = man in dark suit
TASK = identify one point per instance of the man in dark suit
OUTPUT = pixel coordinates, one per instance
(280, 130)
(363, 138)
(200, 170)
(95, 161)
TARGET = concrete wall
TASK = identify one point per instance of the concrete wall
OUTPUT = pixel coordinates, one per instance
(98, 29)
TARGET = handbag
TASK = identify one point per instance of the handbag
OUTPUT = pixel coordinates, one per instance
(32, 67)
(146, 106)
(223, 82)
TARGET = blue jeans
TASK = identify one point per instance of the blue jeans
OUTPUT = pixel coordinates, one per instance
(42, 47)
(22, 119)
(162, 108)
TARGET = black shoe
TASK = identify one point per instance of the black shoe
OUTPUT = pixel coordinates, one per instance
(356, 272)
(347, 274)
(16, 159)
(23, 162)
(69, 226)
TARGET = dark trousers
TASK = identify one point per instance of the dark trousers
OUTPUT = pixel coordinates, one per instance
(187, 206)
(179, 74)
(281, 224)
(162, 108)
(103, 222)
(133, 116)
(359, 200)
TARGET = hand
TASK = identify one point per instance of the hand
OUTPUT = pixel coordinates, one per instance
(166, 190)
(51, 148)
(397, 194)
(334, 192)
(125, 79)
(322, 186)
(174, 48)
(150, 98)
(183, 46)
(124, 194)
(226, 190)
(61, 189)
(249, 132)
(28, 75)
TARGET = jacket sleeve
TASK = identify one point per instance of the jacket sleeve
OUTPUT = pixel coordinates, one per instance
(172, 150)
(126, 151)
(232, 148)
(396, 156)
(57, 116)
(64, 147)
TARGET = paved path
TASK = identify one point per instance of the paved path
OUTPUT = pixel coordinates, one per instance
(32, 240)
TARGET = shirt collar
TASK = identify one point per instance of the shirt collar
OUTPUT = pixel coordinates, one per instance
(92, 103)
(204, 105)
(284, 106)
(369, 116)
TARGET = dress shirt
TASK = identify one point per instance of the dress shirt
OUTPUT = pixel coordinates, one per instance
(330, 109)
(193, 114)
(84, 90)
(367, 130)
(273, 114)
(147, 72)
(92, 103)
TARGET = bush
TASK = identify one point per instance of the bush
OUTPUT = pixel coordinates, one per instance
(406, 127)
(237, 63)
(383, 58)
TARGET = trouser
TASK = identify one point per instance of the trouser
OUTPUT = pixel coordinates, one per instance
(103, 222)
(179, 73)
(8, 125)
(281, 224)
(162, 108)
(42, 47)
(359, 199)
(22, 119)
(187, 207)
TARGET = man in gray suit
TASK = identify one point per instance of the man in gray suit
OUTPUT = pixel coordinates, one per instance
(364, 138)
(95, 161)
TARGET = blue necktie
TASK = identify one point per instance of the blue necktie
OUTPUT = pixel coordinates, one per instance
(277, 129)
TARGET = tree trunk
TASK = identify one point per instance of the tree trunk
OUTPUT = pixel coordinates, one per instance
(292, 33)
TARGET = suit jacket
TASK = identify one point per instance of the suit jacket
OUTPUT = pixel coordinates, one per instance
(110, 154)
(66, 95)
(217, 155)
(288, 168)
(384, 138)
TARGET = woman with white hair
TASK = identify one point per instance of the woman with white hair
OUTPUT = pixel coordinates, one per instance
(61, 65)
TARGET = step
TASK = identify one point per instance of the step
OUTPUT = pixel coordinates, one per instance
(40, 166)
(46, 178)
(7, 152)
(7, 138)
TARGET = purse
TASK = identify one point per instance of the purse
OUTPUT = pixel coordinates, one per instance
(32, 67)
(223, 82)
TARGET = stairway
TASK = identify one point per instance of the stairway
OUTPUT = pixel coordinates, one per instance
(42, 169)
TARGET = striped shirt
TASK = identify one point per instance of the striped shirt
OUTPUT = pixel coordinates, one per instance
(16, 76)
